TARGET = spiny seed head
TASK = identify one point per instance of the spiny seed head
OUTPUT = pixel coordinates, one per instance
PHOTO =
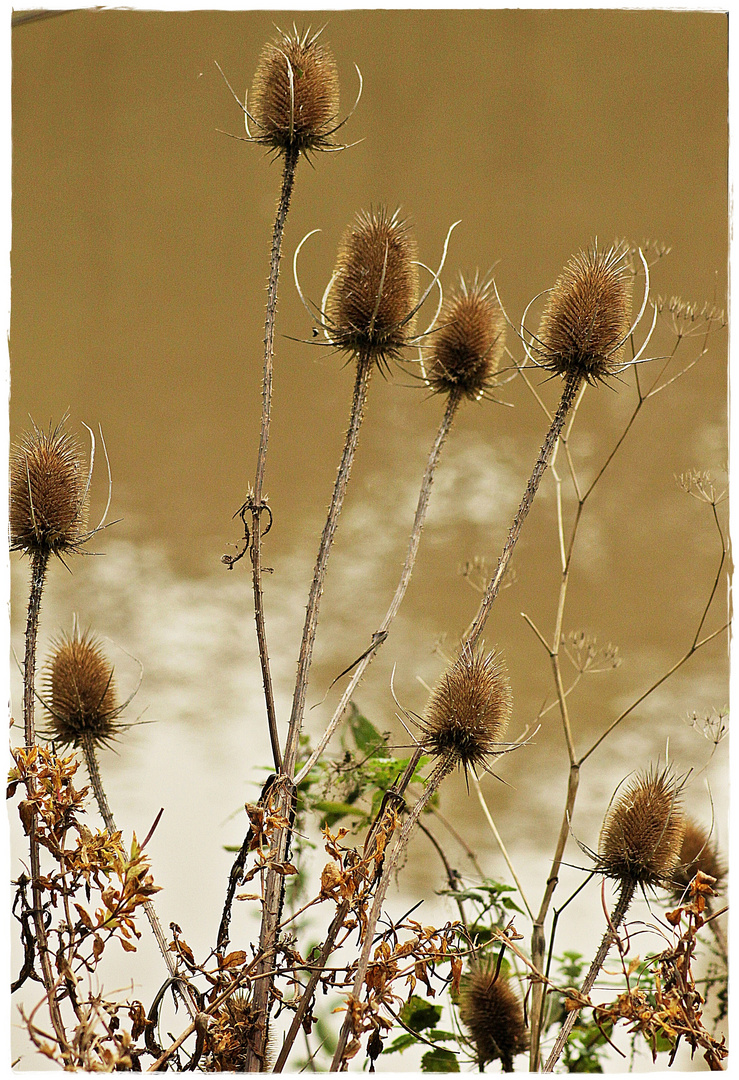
(585, 322)
(643, 830)
(48, 492)
(80, 692)
(468, 712)
(466, 350)
(697, 852)
(492, 1012)
(371, 303)
(295, 97)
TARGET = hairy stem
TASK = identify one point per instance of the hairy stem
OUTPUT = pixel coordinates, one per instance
(569, 393)
(380, 635)
(626, 895)
(257, 504)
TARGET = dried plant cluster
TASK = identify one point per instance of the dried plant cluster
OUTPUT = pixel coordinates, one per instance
(331, 977)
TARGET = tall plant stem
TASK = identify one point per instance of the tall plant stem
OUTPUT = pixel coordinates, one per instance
(93, 769)
(380, 635)
(257, 504)
(39, 564)
(442, 770)
(626, 895)
(569, 393)
(285, 795)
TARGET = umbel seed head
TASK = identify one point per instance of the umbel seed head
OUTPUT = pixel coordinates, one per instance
(80, 692)
(48, 493)
(643, 831)
(466, 350)
(492, 1012)
(370, 307)
(468, 711)
(697, 853)
(585, 323)
(295, 97)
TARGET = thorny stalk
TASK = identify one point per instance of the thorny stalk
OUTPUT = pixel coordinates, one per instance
(257, 504)
(380, 635)
(274, 884)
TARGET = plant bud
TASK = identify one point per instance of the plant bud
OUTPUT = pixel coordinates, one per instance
(468, 711)
(466, 350)
(697, 853)
(585, 322)
(643, 831)
(375, 287)
(295, 97)
(48, 493)
(80, 692)
(492, 1012)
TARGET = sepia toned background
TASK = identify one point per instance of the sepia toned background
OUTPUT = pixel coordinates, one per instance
(139, 261)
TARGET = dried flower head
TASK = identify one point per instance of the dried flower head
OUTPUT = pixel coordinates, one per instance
(697, 853)
(468, 712)
(232, 1035)
(370, 307)
(585, 322)
(643, 831)
(48, 493)
(295, 97)
(80, 693)
(492, 1012)
(466, 350)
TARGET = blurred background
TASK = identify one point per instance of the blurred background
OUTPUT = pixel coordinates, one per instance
(140, 250)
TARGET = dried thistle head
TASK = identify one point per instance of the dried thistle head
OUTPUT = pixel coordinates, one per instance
(232, 1035)
(492, 1012)
(295, 96)
(48, 492)
(698, 852)
(585, 322)
(643, 831)
(468, 712)
(370, 306)
(466, 350)
(80, 692)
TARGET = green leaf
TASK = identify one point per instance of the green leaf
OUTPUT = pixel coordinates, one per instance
(418, 1014)
(437, 1033)
(439, 1060)
(367, 738)
(400, 1044)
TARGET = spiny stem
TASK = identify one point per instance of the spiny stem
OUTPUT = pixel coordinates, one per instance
(380, 635)
(39, 564)
(365, 365)
(93, 769)
(257, 505)
(569, 393)
(444, 767)
(626, 895)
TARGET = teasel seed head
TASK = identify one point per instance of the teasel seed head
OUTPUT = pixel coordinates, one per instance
(697, 853)
(468, 712)
(585, 322)
(48, 493)
(232, 1035)
(370, 307)
(465, 351)
(80, 693)
(643, 831)
(492, 1012)
(295, 96)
